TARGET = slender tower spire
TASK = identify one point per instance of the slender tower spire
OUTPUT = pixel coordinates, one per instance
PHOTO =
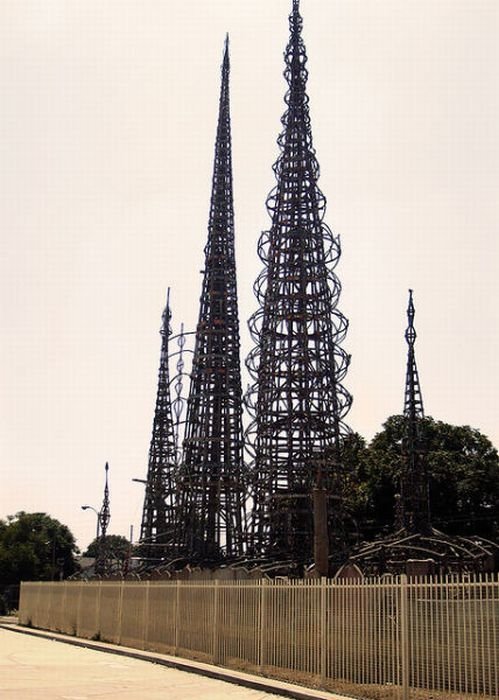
(298, 364)
(104, 516)
(105, 511)
(415, 508)
(158, 516)
(211, 489)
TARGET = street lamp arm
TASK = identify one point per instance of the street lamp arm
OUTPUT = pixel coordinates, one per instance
(97, 513)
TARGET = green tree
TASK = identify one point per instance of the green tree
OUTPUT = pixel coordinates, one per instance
(117, 548)
(463, 470)
(354, 455)
(35, 547)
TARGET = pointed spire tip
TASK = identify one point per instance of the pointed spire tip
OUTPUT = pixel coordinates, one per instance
(225, 61)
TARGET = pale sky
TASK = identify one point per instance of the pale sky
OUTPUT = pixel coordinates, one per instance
(107, 125)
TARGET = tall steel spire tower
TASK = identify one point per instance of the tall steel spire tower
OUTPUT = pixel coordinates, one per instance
(103, 516)
(298, 364)
(105, 511)
(211, 491)
(414, 491)
(415, 548)
(158, 515)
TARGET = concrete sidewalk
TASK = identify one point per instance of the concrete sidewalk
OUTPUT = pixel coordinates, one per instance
(36, 665)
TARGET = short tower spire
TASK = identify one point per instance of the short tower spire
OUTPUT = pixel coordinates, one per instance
(157, 531)
(104, 516)
(414, 490)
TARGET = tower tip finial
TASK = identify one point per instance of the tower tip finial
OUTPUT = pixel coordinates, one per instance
(166, 316)
(410, 334)
(225, 64)
(410, 308)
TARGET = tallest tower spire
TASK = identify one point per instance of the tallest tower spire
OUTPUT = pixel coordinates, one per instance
(297, 364)
(211, 488)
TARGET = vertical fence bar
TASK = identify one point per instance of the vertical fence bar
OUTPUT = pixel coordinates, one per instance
(415, 657)
(98, 625)
(476, 636)
(323, 636)
(120, 611)
(262, 625)
(446, 678)
(214, 647)
(459, 638)
(480, 610)
(177, 616)
(344, 671)
(456, 659)
(145, 618)
(78, 608)
(494, 592)
(404, 637)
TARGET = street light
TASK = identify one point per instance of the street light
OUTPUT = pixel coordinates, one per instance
(97, 513)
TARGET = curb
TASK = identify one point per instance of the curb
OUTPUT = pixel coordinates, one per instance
(279, 688)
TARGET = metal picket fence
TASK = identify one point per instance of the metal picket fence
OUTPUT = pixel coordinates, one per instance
(382, 639)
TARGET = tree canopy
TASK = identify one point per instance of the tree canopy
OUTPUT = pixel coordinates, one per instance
(463, 471)
(35, 547)
(117, 547)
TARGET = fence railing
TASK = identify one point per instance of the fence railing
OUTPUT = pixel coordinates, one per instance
(380, 639)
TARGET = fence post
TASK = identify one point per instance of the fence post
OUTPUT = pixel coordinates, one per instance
(216, 631)
(64, 605)
(262, 624)
(78, 608)
(145, 627)
(97, 609)
(120, 611)
(404, 636)
(323, 630)
(177, 615)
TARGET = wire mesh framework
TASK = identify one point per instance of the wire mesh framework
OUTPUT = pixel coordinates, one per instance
(297, 399)
(158, 515)
(414, 489)
(211, 490)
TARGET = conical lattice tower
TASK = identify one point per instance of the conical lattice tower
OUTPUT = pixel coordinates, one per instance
(415, 548)
(211, 491)
(158, 516)
(414, 490)
(297, 399)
